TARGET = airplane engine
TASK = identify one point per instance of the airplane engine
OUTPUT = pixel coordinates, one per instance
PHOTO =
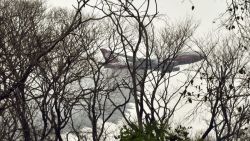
(176, 69)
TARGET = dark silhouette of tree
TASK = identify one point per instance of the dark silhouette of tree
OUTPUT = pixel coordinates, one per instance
(41, 58)
(53, 82)
(134, 29)
(224, 91)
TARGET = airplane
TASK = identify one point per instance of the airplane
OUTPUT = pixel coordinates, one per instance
(169, 65)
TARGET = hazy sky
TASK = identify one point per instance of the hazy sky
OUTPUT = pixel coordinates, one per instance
(205, 12)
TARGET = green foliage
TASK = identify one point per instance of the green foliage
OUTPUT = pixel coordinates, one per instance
(153, 132)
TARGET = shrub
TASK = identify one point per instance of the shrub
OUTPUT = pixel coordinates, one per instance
(153, 132)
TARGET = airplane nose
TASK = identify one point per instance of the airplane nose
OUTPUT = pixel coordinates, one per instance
(203, 56)
(200, 56)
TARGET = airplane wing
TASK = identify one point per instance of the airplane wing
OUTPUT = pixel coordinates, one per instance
(130, 58)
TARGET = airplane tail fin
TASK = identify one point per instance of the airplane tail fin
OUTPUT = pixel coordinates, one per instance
(109, 56)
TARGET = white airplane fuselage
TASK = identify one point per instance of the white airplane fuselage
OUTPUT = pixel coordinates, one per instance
(168, 65)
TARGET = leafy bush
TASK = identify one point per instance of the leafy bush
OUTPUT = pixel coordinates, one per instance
(153, 132)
